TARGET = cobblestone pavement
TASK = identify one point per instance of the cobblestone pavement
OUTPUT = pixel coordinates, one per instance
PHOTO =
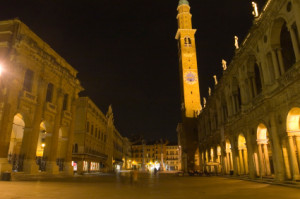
(141, 185)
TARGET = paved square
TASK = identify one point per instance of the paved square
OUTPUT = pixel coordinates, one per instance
(139, 185)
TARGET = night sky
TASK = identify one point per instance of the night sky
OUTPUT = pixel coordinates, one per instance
(126, 52)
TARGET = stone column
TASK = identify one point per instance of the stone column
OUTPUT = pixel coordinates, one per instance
(9, 109)
(295, 43)
(286, 162)
(246, 161)
(261, 161)
(228, 167)
(31, 138)
(241, 161)
(68, 167)
(51, 166)
(293, 159)
(278, 158)
(275, 64)
(267, 160)
(280, 58)
(298, 146)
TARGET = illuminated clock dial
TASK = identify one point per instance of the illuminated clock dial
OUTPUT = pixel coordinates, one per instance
(190, 77)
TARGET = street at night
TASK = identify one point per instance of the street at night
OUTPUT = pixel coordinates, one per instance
(143, 185)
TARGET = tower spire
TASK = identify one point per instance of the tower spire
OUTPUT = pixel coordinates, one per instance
(181, 2)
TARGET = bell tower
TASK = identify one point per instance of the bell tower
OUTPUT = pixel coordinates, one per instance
(190, 94)
(189, 87)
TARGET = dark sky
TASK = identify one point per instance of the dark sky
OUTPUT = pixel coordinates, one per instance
(126, 53)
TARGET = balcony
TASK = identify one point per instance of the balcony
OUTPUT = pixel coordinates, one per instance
(29, 97)
(67, 114)
(50, 107)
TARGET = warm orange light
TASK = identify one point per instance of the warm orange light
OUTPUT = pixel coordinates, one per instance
(43, 145)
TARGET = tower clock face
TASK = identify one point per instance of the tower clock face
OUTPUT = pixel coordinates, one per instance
(190, 77)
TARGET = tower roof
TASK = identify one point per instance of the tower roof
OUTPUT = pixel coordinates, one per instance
(183, 2)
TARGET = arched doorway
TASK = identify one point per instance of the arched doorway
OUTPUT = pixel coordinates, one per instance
(264, 151)
(228, 158)
(15, 156)
(243, 155)
(293, 131)
(283, 47)
(41, 158)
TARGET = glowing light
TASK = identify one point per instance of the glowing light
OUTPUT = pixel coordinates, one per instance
(1, 69)
(43, 145)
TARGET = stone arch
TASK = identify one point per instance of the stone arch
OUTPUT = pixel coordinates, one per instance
(15, 151)
(281, 42)
(243, 154)
(264, 151)
(293, 142)
(293, 121)
(228, 159)
(43, 144)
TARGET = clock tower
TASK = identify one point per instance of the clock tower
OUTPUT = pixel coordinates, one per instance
(189, 86)
(190, 94)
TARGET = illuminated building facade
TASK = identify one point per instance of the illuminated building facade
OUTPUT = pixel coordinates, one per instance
(98, 146)
(38, 92)
(251, 123)
(90, 149)
(148, 156)
(189, 85)
(172, 157)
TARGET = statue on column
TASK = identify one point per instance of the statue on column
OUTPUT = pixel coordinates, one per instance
(204, 102)
(216, 80)
(236, 42)
(224, 64)
(209, 91)
(255, 9)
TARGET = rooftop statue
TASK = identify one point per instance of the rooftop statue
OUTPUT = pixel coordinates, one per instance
(236, 42)
(224, 64)
(216, 80)
(209, 91)
(255, 9)
(204, 102)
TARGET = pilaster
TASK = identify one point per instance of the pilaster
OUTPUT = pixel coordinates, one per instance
(31, 137)
(52, 167)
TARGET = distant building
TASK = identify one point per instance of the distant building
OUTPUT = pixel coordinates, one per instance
(172, 157)
(155, 155)
(98, 146)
